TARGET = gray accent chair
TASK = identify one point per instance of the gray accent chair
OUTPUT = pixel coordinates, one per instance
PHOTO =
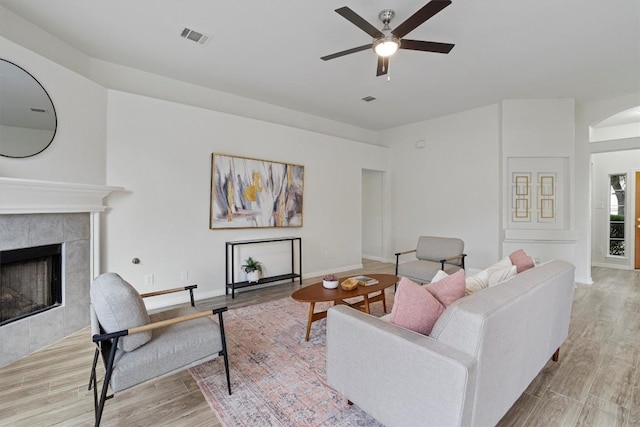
(433, 254)
(137, 347)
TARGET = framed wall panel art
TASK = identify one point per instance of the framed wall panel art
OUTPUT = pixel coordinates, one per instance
(538, 188)
(253, 193)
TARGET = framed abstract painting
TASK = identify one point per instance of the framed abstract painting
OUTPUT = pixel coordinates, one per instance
(254, 193)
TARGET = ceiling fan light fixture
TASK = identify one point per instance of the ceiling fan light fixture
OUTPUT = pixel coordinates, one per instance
(386, 46)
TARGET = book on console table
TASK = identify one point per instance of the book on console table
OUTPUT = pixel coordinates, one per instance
(366, 280)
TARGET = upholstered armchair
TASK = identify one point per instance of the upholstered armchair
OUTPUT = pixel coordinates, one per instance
(432, 254)
(137, 347)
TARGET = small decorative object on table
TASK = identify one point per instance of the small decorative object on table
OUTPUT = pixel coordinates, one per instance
(330, 281)
(366, 280)
(253, 270)
(350, 284)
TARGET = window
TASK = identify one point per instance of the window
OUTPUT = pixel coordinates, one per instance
(617, 186)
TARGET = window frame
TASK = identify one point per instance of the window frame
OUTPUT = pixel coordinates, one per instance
(616, 225)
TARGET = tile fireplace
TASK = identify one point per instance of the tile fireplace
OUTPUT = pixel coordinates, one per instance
(37, 214)
(70, 232)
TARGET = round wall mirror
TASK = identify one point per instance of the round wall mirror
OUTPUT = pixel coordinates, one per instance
(27, 118)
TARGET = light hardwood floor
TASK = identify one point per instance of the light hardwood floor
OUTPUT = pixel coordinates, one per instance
(595, 383)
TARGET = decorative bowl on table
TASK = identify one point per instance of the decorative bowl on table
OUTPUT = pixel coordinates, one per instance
(330, 282)
(350, 284)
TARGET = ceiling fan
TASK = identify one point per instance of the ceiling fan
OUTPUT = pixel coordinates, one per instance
(387, 41)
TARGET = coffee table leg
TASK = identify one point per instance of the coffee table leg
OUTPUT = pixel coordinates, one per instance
(384, 302)
(366, 304)
(311, 309)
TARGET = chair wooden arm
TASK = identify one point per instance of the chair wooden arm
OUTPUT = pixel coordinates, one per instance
(460, 257)
(156, 325)
(189, 288)
(405, 252)
(398, 257)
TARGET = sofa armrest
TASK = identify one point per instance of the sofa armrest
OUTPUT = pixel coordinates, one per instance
(397, 376)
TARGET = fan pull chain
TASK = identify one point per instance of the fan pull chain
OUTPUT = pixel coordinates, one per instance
(388, 74)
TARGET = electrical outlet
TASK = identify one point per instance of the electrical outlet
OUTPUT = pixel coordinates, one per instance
(148, 279)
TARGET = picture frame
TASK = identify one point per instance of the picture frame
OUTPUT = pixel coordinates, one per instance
(255, 193)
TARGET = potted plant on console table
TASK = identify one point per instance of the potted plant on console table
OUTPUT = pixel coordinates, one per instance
(253, 270)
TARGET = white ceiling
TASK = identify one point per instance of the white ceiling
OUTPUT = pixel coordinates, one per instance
(270, 51)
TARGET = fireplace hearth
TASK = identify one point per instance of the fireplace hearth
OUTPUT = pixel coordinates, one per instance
(30, 281)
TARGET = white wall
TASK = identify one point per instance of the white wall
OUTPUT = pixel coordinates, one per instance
(161, 152)
(604, 165)
(538, 136)
(451, 187)
(77, 153)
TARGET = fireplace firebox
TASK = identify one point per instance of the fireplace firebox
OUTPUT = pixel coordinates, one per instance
(30, 281)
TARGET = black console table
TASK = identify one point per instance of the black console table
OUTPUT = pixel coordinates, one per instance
(230, 270)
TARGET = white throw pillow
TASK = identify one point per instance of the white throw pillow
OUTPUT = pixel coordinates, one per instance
(439, 276)
(500, 274)
(497, 273)
(476, 282)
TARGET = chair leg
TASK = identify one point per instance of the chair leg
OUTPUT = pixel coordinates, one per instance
(395, 286)
(224, 351)
(99, 405)
(92, 378)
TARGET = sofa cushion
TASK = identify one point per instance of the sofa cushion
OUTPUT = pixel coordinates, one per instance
(414, 307)
(119, 306)
(521, 260)
(447, 288)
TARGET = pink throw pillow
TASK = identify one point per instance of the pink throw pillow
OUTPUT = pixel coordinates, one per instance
(448, 289)
(415, 308)
(521, 260)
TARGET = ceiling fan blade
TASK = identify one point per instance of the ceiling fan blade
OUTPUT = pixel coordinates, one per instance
(383, 66)
(360, 22)
(347, 52)
(426, 46)
(415, 20)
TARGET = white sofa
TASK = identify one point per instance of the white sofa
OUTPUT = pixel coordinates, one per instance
(481, 355)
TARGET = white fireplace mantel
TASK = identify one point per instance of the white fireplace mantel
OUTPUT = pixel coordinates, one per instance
(28, 196)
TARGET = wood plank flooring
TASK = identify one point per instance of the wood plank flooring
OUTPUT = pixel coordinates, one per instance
(595, 383)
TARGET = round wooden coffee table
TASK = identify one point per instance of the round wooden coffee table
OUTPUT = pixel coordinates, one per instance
(317, 293)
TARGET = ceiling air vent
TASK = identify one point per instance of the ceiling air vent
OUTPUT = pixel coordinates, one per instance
(195, 36)
(368, 99)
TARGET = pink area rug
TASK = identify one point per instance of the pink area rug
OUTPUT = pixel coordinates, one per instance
(277, 378)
